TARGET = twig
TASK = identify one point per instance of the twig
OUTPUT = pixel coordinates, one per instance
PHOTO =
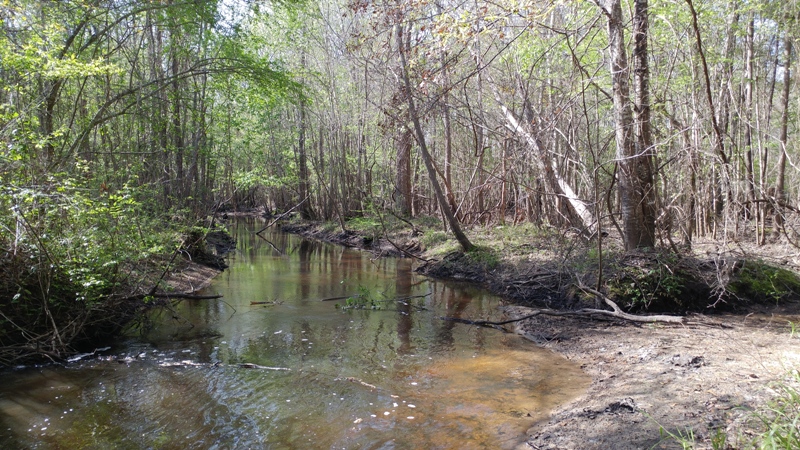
(270, 243)
(166, 270)
(386, 236)
(363, 383)
(256, 366)
(330, 299)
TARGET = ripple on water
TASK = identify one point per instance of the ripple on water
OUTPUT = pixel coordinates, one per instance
(400, 378)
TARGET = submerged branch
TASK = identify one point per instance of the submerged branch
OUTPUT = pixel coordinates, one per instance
(281, 216)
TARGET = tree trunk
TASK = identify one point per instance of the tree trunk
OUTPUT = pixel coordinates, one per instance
(634, 167)
(302, 165)
(462, 239)
(402, 194)
(780, 188)
(644, 172)
(748, 108)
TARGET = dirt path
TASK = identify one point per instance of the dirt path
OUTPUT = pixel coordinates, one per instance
(649, 376)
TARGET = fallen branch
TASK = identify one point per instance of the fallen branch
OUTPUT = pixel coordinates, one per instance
(330, 299)
(270, 244)
(281, 216)
(616, 312)
(187, 296)
(363, 383)
(256, 366)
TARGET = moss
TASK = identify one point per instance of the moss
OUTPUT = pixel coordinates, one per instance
(652, 289)
(432, 238)
(657, 282)
(760, 282)
(484, 256)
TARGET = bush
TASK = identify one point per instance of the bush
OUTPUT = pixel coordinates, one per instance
(68, 248)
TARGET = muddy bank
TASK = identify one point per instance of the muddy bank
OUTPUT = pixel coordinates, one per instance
(401, 245)
(542, 286)
(189, 277)
(706, 379)
(648, 380)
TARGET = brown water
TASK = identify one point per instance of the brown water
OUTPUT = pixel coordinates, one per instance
(392, 378)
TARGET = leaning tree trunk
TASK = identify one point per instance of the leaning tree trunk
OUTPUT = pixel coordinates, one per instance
(462, 239)
(580, 215)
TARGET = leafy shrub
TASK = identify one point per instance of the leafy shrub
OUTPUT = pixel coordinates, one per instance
(68, 247)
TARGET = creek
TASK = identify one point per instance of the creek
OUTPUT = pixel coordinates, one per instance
(271, 365)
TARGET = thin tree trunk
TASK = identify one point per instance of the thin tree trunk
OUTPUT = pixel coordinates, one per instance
(403, 170)
(722, 181)
(780, 188)
(748, 126)
(302, 164)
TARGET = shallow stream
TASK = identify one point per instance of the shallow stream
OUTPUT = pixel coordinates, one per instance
(274, 364)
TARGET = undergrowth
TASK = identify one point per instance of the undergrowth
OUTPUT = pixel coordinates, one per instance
(776, 426)
(71, 256)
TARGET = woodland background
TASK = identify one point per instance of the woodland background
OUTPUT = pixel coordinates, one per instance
(123, 122)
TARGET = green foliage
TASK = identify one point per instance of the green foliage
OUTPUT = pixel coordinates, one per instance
(759, 281)
(365, 299)
(78, 236)
(776, 426)
(484, 256)
(432, 238)
(367, 226)
(641, 287)
(781, 419)
(655, 282)
(688, 441)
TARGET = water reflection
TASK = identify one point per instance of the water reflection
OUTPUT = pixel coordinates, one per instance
(395, 378)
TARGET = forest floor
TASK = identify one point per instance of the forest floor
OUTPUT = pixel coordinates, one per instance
(707, 380)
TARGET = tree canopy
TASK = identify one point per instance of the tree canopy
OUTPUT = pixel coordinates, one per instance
(658, 121)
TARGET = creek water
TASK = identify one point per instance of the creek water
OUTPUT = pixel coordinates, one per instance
(298, 372)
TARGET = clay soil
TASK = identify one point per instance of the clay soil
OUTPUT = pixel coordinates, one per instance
(645, 377)
(701, 380)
